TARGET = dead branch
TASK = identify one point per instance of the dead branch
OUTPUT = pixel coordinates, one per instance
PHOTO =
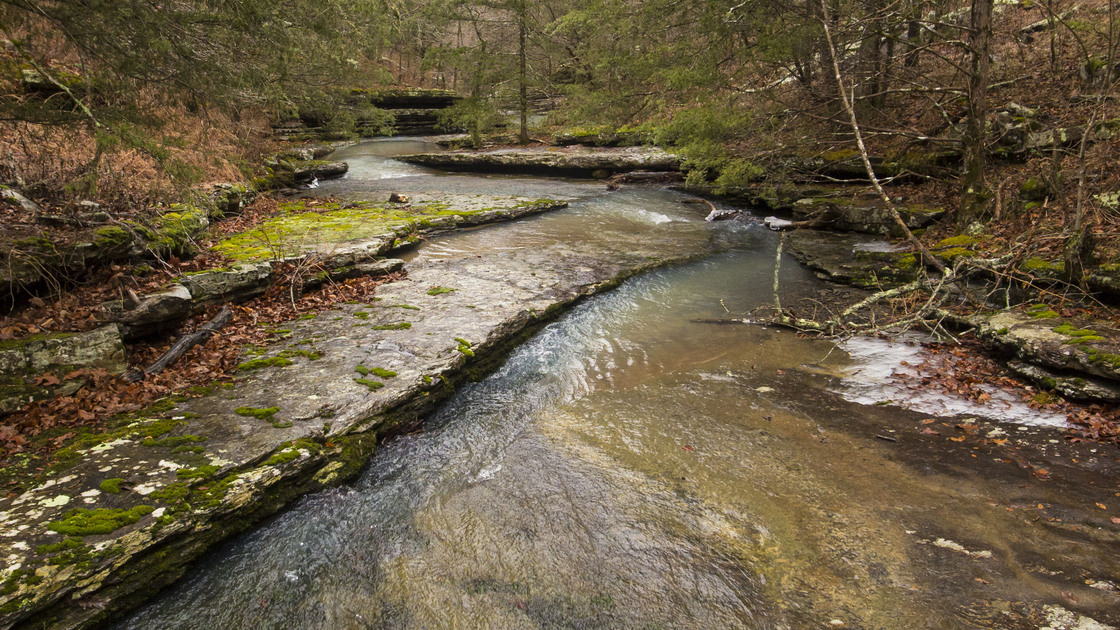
(202, 335)
(847, 103)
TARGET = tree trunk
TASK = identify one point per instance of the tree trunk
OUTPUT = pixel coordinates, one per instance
(914, 36)
(523, 97)
(974, 189)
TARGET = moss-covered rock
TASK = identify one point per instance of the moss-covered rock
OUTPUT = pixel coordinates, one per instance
(841, 258)
(82, 522)
(58, 354)
(1040, 336)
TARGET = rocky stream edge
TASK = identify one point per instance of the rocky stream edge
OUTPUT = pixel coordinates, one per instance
(129, 509)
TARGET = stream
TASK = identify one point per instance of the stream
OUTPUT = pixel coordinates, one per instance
(629, 468)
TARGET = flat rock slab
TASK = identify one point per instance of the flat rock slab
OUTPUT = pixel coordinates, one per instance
(572, 161)
(132, 507)
(852, 259)
(862, 215)
(1039, 336)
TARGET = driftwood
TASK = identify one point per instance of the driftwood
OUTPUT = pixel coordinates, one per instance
(202, 335)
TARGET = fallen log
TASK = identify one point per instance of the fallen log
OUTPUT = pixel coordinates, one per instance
(202, 335)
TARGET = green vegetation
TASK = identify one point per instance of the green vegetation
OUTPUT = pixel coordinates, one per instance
(264, 413)
(296, 228)
(464, 347)
(1042, 311)
(257, 364)
(173, 493)
(282, 457)
(371, 384)
(82, 522)
(376, 371)
(111, 486)
(172, 442)
(68, 544)
(438, 290)
(396, 326)
(201, 472)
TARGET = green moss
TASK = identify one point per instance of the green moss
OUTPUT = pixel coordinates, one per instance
(282, 457)
(1066, 329)
(1003, 331)
(397, 326)
(371, 384)
(962, 240)
(361, 315)
(1045, 398)
(173, 493)
(405, 306)
(954, 253)
(1045, 314)
(176, 231)
(438, 290)
(1096, 356)
(133, 429)
(265, 413)
(185, 448)
(464, 347)
(201, 472)
(257, 364)
(1039, 264)
(307, 316)
(376, 371)
(1084, 340)
(172, 442)
(427, 379)
(82, 522)
(310, 355)
(287, 233)
(112, 238)
(66, 545)
(112, 486)
(908, 261)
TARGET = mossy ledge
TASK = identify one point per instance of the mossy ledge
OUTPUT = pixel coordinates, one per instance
(193, 514)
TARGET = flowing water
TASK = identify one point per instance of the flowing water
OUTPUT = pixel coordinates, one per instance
(628, 468)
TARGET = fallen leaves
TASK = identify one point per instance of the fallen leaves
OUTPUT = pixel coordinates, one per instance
(104, 395)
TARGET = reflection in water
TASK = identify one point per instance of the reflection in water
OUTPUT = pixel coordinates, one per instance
(625, 468)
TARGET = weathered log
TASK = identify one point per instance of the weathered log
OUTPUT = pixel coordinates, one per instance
(202, 335)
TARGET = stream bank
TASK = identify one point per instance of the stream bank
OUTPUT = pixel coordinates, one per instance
(134, 505)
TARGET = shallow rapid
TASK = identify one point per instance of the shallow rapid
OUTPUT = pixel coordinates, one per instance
(629, 467)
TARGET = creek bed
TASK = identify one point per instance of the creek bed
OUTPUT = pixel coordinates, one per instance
(627, 468)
